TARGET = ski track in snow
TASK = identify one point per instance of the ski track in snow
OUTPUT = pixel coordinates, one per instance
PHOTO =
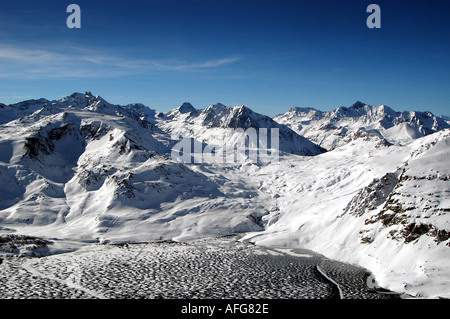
(207, 268)
(82, 169)
(336, 285)
(27, 265)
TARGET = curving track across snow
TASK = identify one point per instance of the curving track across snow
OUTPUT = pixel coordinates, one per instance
(208, 268)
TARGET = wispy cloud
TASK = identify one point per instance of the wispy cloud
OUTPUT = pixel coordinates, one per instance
(79, 62)
(185, 65)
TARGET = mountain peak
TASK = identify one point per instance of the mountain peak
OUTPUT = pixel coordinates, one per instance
(217, 106)
(297, 110)
(216, 109)
(243, 109)
(78, 99)
(186, 107)
(358, 105)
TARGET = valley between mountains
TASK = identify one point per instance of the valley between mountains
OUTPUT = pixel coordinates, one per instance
(363, 185)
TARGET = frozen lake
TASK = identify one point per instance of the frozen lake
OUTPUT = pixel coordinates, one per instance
(206, 268)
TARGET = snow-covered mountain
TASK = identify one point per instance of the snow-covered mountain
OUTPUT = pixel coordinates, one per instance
(82, 169)
(383, 207)
(338, 127)
(217, 123)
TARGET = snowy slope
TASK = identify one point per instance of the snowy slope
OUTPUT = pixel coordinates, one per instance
(337, 127)
(382, 207)
(82, 168)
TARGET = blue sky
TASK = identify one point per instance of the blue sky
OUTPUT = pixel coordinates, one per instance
(268, 55)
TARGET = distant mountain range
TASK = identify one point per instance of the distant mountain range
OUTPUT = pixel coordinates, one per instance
(363, 184)
(83, 161)
(206, 125)
(338, 127)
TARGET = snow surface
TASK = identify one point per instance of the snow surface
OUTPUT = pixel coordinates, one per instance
(381, 230)
(219, 268)
(81, 170)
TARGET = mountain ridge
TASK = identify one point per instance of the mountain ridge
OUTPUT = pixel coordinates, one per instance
(215, 122)
(81, 169)
(334, 128)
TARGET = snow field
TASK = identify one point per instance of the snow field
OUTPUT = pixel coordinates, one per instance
(206, 268)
